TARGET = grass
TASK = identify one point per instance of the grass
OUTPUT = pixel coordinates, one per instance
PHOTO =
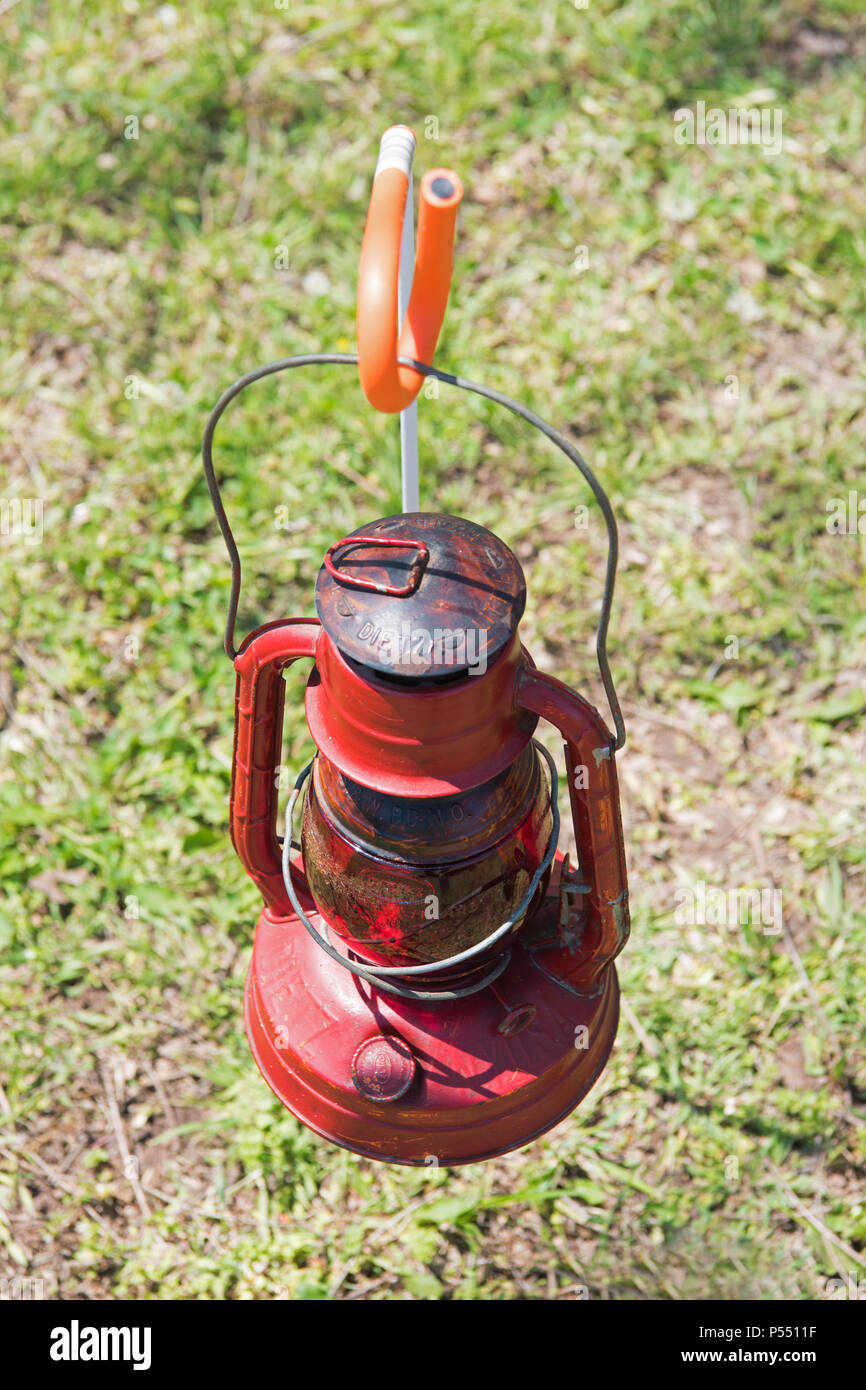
(709, 358)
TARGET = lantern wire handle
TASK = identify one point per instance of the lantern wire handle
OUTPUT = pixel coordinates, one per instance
(499, 398)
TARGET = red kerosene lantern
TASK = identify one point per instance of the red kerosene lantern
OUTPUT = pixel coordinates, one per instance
(432, 980)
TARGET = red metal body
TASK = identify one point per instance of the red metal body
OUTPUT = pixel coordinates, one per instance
(427, 788)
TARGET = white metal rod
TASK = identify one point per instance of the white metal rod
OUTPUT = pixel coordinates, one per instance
(397, 151)
(409, 416)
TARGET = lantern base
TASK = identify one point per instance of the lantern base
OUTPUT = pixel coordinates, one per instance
(436, 1084)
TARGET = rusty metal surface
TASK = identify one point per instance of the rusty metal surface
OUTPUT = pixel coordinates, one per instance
(464, 610)
(457, 866)
(421, 829)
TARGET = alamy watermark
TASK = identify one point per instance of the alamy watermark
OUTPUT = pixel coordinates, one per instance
(21, 517)
(850, 1289)
(751, 125)
(846, 516)
(419, 646)
(77, 1343)
(703, 905)
(21, 1289)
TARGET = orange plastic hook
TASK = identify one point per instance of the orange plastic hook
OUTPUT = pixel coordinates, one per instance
(387, 385)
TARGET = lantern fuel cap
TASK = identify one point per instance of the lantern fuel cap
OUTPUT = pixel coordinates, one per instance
(383, 1068)
(421, 596)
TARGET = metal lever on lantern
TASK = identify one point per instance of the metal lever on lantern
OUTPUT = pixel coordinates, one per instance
(389, 385)
(417, 568)
(595, 812)
(260, 695)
